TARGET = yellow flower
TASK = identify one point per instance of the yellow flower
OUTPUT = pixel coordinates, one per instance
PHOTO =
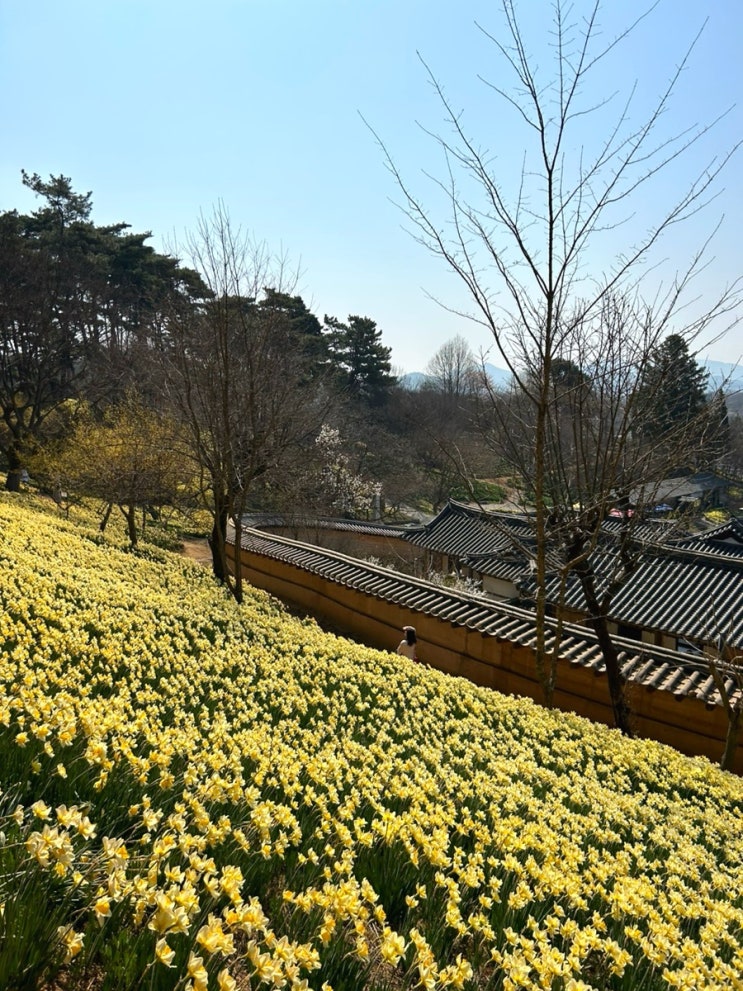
(225, 981)
(456, 974)
(41, 810)
(72, 941)
(198, 973)
(114, 850)
(163, 952)
(392, 947)
(214, 939)
(327, 929)
(265, 966)
(86, 828)
(67, 817)
(151, 818)
(102, 909)
(168, 917)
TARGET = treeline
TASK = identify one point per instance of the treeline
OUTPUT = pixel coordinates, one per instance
(202, 376)
(142, 377)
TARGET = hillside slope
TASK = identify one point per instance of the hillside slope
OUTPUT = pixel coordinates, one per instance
(200, 795)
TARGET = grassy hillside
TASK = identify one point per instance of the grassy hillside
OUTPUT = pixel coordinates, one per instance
(199, 795)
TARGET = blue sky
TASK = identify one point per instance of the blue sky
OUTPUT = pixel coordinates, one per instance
(163, 108)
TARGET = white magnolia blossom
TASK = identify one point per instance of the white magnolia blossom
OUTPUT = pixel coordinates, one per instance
(347, 491)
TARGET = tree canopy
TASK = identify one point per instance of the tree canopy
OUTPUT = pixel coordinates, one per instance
(672, 395)
(81, 307)
(360, 359)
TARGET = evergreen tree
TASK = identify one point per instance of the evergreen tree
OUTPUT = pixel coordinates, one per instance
(672, 396)
(79, 304)
(361, 360)
(301, 322)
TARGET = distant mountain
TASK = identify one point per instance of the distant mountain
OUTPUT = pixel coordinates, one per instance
(721, 373)
(724, 373)
(498, 376)
(414, 380)
(730, 378)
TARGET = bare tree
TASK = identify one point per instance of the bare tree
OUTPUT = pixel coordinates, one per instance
(453, 370)
(728, 678)
(525, 257)
(599, 460)
(440, 418)
(241, 376)
(724, 658)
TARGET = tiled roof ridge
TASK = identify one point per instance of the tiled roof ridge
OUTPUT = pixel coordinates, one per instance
(672, 545)
(258, 520)
(694, 554)
(734, 525)
(484, 514)
(460, 504)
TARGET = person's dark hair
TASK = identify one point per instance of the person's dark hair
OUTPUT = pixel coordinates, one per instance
(410, 635)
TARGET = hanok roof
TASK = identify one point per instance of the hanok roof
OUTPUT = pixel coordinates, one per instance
(689, 587)
(650, 531)
(690, 487)
(460, 530)
(725, 540)
(651, 667)
(683, 593)
(510, 568)
(478, 535)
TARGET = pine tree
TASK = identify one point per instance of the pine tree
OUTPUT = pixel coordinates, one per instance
(81, 306)
(672, 397)
(362, 361)
(303, 324)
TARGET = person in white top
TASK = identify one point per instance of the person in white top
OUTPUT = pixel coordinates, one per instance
(406, 647)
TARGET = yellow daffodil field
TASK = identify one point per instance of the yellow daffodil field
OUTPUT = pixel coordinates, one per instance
(199, 795)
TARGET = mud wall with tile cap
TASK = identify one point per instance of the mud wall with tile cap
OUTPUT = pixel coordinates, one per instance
(681, 721)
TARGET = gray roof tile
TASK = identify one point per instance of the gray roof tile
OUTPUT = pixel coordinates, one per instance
(655, 668)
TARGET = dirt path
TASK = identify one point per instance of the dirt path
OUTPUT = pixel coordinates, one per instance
(198, 550)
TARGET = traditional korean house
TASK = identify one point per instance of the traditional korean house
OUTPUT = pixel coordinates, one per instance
(686, 594)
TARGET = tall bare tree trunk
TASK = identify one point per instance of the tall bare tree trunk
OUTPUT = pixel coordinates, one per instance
(615, 678)
(130, 514)
(735, 719)
(546, 665)
(218, 541)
